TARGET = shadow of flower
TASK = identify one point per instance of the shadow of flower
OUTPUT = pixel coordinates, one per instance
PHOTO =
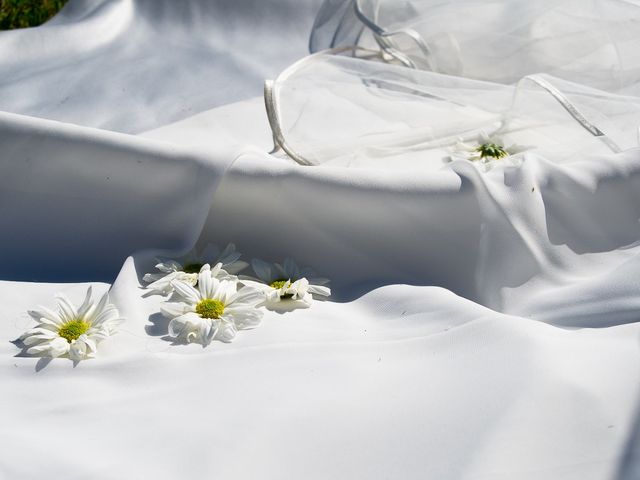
(42, 361)
(159, 325)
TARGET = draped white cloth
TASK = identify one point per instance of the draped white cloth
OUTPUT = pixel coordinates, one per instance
(482, 325)
(593, 42)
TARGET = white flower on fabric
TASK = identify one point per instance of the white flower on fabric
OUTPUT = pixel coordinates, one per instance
(227, 263)
(215, 310)
(72, 332)
(488, 151)
(286, 284)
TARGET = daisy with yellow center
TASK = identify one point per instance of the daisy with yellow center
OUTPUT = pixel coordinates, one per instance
(286, 285)
(491, 150)
(213, 310)
(71, 331)
(488, 151)
(226, 263)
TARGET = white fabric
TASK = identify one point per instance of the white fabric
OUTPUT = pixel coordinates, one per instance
(133, 65)
(593, 42)
(482, 326)
(339, 110)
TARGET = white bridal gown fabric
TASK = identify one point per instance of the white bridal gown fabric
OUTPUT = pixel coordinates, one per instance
(482, 325)
(593, 42)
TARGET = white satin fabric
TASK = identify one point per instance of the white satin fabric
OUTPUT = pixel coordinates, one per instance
(482, 325)
(133, 65)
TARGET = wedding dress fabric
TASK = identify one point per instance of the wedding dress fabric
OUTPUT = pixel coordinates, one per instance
(483, 325)
(415, 117)
(593, 42)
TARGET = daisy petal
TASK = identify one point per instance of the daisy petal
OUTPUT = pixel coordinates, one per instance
(78, 350)
(205, 282)
(175, 309)
(67, 309)
(291, 270)
(320, 290)
(226, 332)
(184, 326)
(45, 315)
(228, 252)
(58, 346)
(86, 304)
(262, 270)
(208, 330)
(235, 267)
(256, 285)
(247, 295)
(186, 291)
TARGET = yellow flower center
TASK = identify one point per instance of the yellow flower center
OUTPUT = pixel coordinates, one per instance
(209, 308)
(192, 267)
(278, 284)
(492, 150)
(72, 330)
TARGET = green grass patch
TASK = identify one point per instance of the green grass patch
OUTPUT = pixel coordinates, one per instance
(27, 13)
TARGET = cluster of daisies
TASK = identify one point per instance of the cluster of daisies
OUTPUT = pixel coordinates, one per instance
(206, 299)
(209, 300)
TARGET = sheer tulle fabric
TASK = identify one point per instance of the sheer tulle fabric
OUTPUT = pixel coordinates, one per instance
(340, 110)
(592, 42)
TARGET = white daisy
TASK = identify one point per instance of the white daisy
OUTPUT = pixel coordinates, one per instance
(185, 269)
(487, 151)
(286, 284)
(72, 332)
(216, 310)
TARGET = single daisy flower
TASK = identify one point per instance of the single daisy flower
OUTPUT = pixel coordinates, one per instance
(487, 151)
(227, 263)
(215, 310)
(72, 332)
(286, 284)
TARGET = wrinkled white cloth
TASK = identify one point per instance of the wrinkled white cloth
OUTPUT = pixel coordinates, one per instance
(592, 42)
(133, 65)
(482, 326)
